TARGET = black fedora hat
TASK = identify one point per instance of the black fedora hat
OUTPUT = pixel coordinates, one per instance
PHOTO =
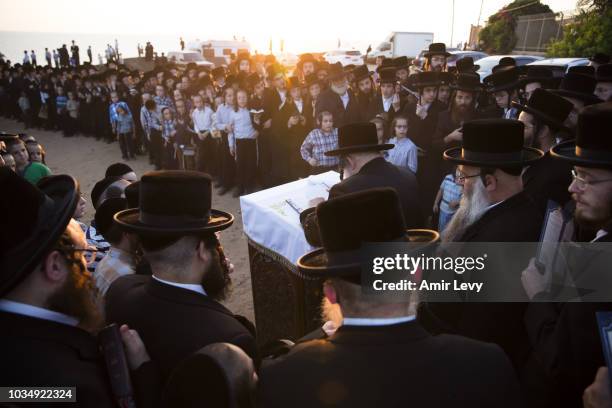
(335, 71)
(349, 221)
(253, 79)
(307, 57)
(361, 72)
(537, 73)
(437, 49)
(468, 83)
(582, 69)
(549, 108)
(387, 76)
(386, 63)
(504, 79)
(466, 65)
(174, 202)
(600, 58)
(108, 187)
(312, 79)
(401, 63)
(593, 144)
(578, 86)
(294, 82)
(493, 143)
(446, 78)
(604, 73)
(427, 78)
(106, 212)
(8, 138)
(34, 219)
(358, 137)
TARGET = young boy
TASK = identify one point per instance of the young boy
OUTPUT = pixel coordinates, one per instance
(447, 199)
(31, 171)
(404, 154)
(318, 141)
(36, 152)
(126, 133)
(242, 140)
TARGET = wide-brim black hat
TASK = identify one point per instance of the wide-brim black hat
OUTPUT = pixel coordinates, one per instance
(312, 79)
(437, 49)
(549, 108)
(361, 72)
(35, 219)
(466, 65)
(8, 137)
(351, 220)
(537, 73)
(387, 76)
(579, 87)
(493, 143)
(174, 203)
(401, 62)
(604, 73)
(467, 83)
(335, 71)
(358, 137)
(600, 58)
(425, 79)
(503, 79)
(593, 144)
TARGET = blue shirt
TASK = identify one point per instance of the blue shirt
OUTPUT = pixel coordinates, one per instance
(124, 124)
(404, 154)
(112, 110)
(243, 127)
(451, 191)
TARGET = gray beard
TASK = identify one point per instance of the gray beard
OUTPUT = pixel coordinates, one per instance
(470, 210)
(340, 90)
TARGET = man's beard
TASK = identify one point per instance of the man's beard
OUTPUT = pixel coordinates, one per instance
(470, 209)
(216, 281)
(340, 90)
(599, 222)
(79, 298)
(461, 113)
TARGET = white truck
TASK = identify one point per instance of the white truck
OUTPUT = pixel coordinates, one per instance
(402, 43)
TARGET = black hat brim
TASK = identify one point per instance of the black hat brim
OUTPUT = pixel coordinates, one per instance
(129, 220)
(466, 88)
(543, 117)
(567, 151)
(542, 80)
(359, 148)
(62, 190)
(504, 87)
(315, 264)
(529, 156)
(588, 99)
(431, 54)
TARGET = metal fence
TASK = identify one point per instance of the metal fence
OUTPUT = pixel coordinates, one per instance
(535, 31)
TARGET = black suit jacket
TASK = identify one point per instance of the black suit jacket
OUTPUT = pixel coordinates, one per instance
(173, 322)
(330, 101)
(374, 174)
(390, 366)
(376, 106)
(548, 179)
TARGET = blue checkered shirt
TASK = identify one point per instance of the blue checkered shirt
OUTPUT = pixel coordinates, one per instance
(317, 143)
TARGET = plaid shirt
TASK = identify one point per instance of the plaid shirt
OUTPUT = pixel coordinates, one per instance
(163, 102)
(115, 263)
(149, 120)
(317, 143)
(451, 191)
(112, 111)
(168, 127)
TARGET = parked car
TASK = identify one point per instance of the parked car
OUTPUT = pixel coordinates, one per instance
(487, 63)
(186, 57)
(345, 57)
(457, 55)
(421, 57)
(560, 66)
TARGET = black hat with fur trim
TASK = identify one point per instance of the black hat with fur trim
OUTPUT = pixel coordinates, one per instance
(437, 49)
(358, 137)
(549, 108)
(593, 144)
(351, 220)
(38, 217)
(493, 143)
(174, 203)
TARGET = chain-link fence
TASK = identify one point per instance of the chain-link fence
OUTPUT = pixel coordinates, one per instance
(535, 31)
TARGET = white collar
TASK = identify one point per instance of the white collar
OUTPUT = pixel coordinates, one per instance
(600, 233)
(24, 309)
(358, 321)
(494, 204)
(189, 286)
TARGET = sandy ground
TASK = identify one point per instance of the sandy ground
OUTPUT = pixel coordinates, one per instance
(86, 159)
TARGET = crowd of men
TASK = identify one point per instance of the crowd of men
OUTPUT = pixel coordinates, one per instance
(412, 144)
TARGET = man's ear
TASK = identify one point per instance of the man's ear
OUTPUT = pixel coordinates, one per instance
(490, 182)
(55, 269)
(330, 293)
(203, 253)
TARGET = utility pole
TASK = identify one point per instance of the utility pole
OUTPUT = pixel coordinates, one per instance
(452, 25)
(479, 13)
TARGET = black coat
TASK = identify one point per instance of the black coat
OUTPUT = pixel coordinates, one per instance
(289, 164)
(36, 352)
(374, 174)
(548, 179)
(517, 219)
(173, 322)
(330, 101)
(390, 366)
(376, 106)
(566, 341)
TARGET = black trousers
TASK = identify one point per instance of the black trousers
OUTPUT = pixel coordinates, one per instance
(228, 163)
(126, 144)
(156, 148)
(207, 155)
(246, 164)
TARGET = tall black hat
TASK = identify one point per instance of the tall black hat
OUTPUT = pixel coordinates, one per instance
(361, 72)
(427, 78)
(537, 73)
(578, 86)
(504, 79)
(401, 63)
(174, 203)
(466, 65)
(593, 144)
(349, 221)
(582, 69)
(35, 220)
(549, 108)
(493, 143)
(387, 76)
(437, 49)
(358, 137)
(467, 83)
(335, 71)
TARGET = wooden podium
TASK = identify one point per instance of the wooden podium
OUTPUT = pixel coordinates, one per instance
(286, 305)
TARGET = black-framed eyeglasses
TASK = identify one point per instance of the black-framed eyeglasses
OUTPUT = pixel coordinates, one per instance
(461, 177)
(582, 183)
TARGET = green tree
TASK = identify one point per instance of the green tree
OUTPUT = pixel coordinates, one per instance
(497, 37)
(590, 32)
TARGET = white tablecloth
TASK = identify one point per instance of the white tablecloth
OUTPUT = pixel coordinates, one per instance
(270, 221)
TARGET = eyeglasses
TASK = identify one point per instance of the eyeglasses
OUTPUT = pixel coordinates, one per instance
(461, 177)
(89, 253)
(582, 183)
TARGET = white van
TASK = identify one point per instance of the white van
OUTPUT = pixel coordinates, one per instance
(186, 57)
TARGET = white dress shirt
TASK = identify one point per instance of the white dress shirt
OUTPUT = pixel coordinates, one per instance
(358, 321)
(202, 119)
(345, 99)
(387, 103)
(189, 286)
(242, 126)
(24, 309)
(299, 105)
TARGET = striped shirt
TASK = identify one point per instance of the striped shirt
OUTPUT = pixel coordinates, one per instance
(115, 263)
(168, 128)
(404, 154)
(451, 191)
(112, 111)
(317, 143)
(149, 120)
